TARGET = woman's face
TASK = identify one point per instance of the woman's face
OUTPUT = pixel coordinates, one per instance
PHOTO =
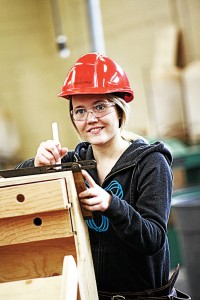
(95, 130)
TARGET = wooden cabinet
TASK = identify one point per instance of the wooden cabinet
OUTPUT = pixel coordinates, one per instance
(41, 226)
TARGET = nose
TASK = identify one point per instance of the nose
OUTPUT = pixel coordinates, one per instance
(91, 117)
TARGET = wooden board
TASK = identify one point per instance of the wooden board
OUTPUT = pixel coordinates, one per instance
(34, 260)
(36, 227)
(63, 287)
(40, 289)
(86, 275)
(29, 198)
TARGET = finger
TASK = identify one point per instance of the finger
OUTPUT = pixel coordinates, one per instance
(94, 207)
(63, 151)
(47, 153)
(89, 179)
(43, 161)
(51, 150)
(91, 204)
(97, 202)
(90, 201)
(54, 148)
(88, 193)
(45, 156)
(91, 207)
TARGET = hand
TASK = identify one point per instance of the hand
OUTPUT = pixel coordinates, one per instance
(49, 153)
(94, 198)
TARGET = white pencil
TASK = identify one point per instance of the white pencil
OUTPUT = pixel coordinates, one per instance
(55, 136)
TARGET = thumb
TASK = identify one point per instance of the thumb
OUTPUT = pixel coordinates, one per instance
(88, 178)
(63, 151)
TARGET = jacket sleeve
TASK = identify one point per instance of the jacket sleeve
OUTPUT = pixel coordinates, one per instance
(26, 164)
(142, 221)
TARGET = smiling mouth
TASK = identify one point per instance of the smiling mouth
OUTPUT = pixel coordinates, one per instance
(95, 130)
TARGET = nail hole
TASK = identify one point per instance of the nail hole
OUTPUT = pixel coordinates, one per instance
(20, 198)
(37, 221)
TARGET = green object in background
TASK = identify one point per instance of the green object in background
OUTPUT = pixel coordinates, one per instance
(184, 156)
(175, 248)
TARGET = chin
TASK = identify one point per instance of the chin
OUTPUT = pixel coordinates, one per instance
(97, 141)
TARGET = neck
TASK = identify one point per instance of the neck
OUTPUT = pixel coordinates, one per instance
(107, 155)
(112, 150)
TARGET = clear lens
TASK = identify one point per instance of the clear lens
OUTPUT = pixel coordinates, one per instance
(99, 110)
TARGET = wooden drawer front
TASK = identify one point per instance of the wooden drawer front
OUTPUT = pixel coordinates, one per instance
(35, 227)
(18, 200)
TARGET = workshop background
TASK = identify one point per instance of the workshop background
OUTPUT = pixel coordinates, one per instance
(156, 42)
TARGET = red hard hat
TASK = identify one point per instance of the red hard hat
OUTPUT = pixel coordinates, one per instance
(95, 73)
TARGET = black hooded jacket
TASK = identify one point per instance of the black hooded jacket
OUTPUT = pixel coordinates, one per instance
(129, 240)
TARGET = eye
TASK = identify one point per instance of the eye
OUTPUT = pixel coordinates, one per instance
(80, 111)
(100, 106)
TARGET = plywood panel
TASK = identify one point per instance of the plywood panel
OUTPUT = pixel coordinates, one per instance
(35, 227)
(29, 198)
(40, 289)
(34, 260)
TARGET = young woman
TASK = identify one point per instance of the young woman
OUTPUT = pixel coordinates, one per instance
(130, 190)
